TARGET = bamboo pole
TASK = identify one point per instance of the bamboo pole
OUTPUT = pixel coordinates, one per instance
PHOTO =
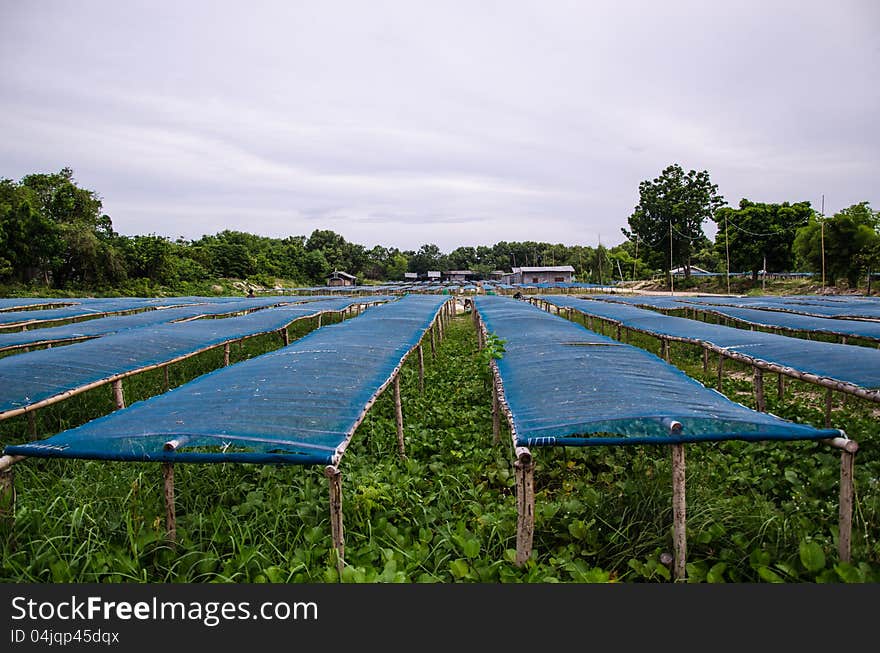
(170, 513)
(334, 477)
(421, 369)
(32, 424)
(118, 394)
(433, 345)
(705, 360)
(7, 496)
(398, 416)
(828, 404)
(720, 372)
(780, 386)
(496, 418)
(320, 315)
(525, 506)
(664, 349)
(165, 375)
(844, 540)
(679, 515)
(285, 336)
(226, 354)
(759, 390)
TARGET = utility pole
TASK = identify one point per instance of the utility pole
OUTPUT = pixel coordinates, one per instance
(671, 275)
(822, 232)
(727, 250)
(764, 276)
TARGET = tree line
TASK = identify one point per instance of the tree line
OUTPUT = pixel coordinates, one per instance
(55, 235)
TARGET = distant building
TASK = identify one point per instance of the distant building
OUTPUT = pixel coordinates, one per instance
(551, 274)
(411, 276)
(433, 275)
(695, 271)
(339, 278)
(459, 275)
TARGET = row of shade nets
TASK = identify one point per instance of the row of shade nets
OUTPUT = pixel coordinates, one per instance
(29, 378)
(817, 305)
(89, 308)
(566, 385)
(295, 405)
(101, 326)
(849, 364)
(762, 317)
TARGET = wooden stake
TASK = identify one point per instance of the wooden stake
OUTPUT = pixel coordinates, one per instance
(705, 360)
(720, 372)
(679, 534)
(165, 374)
(759, 390)
(118, 394)
(844, 539)
(618, 331)
(170, 514)
(664, 349)
(828, 403)
(320, 315)
(226, 354)
(421, 369)
(32, 424)
(398, 415)
(780, 386)
(7, 497)
(285, 336)
(433, 345)
(525, 507)
(496, 417)
(334, 476)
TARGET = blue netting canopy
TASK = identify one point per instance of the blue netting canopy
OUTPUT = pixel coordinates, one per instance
(566, 385)
(27, 379)
(296, 405)
(848, 364)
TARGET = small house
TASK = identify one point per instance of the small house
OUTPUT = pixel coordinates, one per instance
(549, 274)
(338, 278)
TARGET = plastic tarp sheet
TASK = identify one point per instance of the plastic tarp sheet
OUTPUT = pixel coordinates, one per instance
(295, 405)
(29, 378)
(858, 366)
(566, 385)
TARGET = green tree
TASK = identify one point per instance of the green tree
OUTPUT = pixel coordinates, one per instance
(848, 237)
(756, 232)
(670, 215)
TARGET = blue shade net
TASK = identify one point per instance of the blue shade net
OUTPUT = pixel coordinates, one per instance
(297, 405)
(85, 308)
(857, 366)
(23, 303)
(867, 308)
(26, 379)
(101, 326)
(761, 317)
(565, 385)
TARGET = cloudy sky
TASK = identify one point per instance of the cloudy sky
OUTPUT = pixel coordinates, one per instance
(455, 123)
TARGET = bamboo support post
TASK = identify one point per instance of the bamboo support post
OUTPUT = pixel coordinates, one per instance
(170, 514)
(32, 424)
(664, 349)
(7, 495)
(285, 336)
(421, 369)
(398, 416)
(679, 512)
(496, 417)
(525, 506)
(760, 405)
(829, 399)
(705, 360)
(844, 538)
(226, 355)
(320, 316)
(433, 345)
(780, 386)
(118, 394)
(618, 331)
(166, 379)
(334, 477)
(720, 372)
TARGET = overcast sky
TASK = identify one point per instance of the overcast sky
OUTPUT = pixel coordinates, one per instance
(446, 122)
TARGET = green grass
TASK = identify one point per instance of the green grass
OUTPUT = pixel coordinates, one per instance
(446, 512)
